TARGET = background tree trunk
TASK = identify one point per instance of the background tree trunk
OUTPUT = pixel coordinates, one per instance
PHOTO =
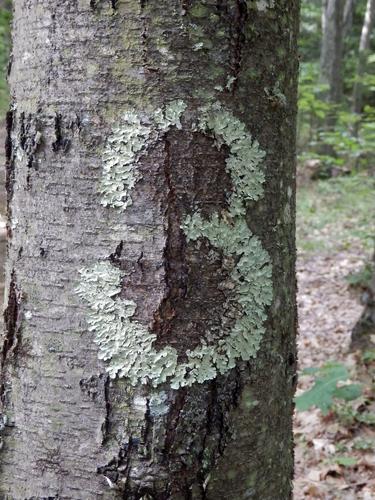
(87, 80)
(348, 18)
(332, 50)
(364, 46)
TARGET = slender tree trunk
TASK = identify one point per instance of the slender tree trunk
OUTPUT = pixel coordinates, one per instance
(149, 349)
(363, 50)
(348, 18)
(332, 51)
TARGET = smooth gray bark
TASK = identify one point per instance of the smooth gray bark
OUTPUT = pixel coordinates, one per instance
(68, 430)
(332, 48)
(348, 17)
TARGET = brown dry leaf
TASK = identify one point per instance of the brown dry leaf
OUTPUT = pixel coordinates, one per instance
(314, 491)
(367, 461)
(332, 470)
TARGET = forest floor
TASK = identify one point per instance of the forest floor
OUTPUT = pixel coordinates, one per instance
(335, 451)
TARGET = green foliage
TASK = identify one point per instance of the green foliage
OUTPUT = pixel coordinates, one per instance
(5, 20)
(364, 444)
(310, 29)
(345, 461)
(336, 211)
(368, 356)
(350, 415)
(362, 277)
(326, 389)
(337, 144)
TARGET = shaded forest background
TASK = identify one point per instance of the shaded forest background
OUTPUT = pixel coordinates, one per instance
(335, 417)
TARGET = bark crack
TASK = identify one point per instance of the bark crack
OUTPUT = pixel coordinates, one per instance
(12, 329)
(9, 168)
(174, 258)
(238, 39)
(11, 320)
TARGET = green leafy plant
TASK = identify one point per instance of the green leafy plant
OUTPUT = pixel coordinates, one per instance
(5, 21)
(346, 461)
(362, 277)
(350, 414)
(364, 444)
(326, 389)
(368, 356)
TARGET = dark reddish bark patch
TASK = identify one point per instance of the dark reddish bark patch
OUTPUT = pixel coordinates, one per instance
(196, 179)
(178, 296)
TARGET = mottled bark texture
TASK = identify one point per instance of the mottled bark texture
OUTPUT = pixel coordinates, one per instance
(332, 48)
(68, 431)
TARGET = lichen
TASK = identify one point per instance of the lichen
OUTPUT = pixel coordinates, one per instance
(125, 146)
(126, 344)
(263, 5)
(275, 95)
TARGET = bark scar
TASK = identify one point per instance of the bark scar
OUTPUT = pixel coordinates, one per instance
(174, 257)
(9, 169)
(239, 38)
(11, 320)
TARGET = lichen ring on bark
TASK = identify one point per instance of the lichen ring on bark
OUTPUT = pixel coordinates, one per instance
(124, 343)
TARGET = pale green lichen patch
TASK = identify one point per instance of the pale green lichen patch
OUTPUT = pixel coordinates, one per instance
(127, 345)
(245, 159)
(126, 144)
(251, 277)
(263, 5)
(120, 154)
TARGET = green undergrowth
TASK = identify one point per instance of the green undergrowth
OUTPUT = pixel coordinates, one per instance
(332, 391)
(5, 18)
(336, 214)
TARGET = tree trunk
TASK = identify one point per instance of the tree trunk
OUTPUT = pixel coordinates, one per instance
(348, 18)
(364, 329)
(332, 49)
(364, 46)
(150, 323)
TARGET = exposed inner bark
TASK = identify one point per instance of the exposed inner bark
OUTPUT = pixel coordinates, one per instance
(192, 304)
(11, 320)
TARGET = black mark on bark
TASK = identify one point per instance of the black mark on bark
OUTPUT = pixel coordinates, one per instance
(94, 4)
(116, 255)
(173, 419)
(9, 65)
(11, 319)
(107, 403)
(147, 430)
(9, 162)
(238, 39)
(174, 258)
(97, 389)
(60, 143)
(120, 466)
(186, 4)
